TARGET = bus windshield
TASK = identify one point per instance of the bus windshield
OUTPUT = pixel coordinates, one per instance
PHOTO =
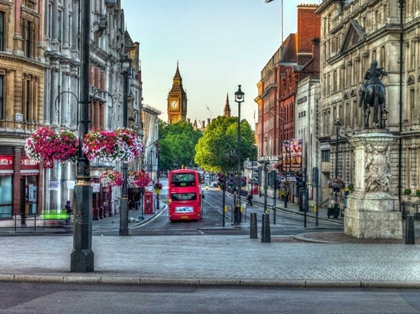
(183, 179)
(184, 196)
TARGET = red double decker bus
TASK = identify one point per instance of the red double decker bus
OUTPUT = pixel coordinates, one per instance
(185, 195)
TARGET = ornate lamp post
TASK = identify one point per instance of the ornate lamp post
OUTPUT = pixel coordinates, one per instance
(82, 257)
(126, 69)
(336, 190)
(239, 98)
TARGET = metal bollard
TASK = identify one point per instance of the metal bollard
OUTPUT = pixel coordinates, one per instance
(409, 230)
(265, 231)
(253, 226)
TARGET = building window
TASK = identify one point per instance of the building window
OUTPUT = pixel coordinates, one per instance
(412, 105)
(28, 39)
(49, 23)
(413, 55)
(1, 31)
(27, 110)
(325, 156)
(1, 97)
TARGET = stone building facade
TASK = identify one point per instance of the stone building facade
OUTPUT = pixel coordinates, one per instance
(109, 42)
(353, 34)
(21, 105)
(306, 128)
(39, 81)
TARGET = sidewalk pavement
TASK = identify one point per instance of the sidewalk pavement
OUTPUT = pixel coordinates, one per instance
(213, 260)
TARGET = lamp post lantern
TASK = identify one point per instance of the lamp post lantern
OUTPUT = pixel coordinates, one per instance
(239, 98)
(336, 190)
(82, 257)
(126, 69)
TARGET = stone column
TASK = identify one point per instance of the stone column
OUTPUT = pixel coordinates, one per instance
(54, 92)
(372, 211)
(54, 24)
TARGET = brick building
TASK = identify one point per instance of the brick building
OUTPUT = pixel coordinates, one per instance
(292, 62)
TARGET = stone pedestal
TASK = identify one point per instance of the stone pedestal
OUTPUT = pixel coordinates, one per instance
(372, 211)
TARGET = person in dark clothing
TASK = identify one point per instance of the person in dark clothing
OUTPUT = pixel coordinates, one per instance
(249, 199)
(69, 212)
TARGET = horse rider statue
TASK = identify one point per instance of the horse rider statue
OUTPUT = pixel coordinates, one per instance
(372, 94)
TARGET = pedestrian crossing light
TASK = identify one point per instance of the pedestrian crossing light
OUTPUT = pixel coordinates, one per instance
(243, 182)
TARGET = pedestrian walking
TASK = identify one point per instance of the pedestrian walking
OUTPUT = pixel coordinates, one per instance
(249, 199)
(260, 191)
(69, 211)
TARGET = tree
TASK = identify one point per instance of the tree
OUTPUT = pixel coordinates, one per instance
(177, 144)
(217, 150)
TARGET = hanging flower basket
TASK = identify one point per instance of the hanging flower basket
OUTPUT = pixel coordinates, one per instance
(158, 186)
(121, 145)
(138, 179)
(407, 191)
(47, 145)
(67, 145)
(336, 184)
(111, 178)
(418, 193)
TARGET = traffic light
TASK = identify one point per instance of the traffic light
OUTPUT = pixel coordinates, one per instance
(277, 182)
(243, 182)
(231, 180)
(300, 179)
(221, 180)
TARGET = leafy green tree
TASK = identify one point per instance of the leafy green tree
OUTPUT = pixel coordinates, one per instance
(177, 144)
(217, 150)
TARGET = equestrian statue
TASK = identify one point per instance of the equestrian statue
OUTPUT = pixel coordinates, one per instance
(372, 94)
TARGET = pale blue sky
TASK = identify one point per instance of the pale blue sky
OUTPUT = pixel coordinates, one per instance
(219, 44)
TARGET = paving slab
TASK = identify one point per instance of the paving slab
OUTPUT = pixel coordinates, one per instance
(207, 260)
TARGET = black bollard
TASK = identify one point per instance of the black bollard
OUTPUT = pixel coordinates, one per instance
(265, 231)
(253, 226)
(409, 230)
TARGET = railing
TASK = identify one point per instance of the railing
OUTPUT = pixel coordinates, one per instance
(31, 223)
(405, 209)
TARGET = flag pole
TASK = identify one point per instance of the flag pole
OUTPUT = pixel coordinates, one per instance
(281, 16)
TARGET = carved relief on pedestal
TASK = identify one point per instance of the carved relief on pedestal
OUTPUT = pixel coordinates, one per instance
(377, 167)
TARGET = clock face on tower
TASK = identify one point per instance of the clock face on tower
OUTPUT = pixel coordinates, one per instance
(174, 104)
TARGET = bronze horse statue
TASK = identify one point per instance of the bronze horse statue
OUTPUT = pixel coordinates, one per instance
(372, 94)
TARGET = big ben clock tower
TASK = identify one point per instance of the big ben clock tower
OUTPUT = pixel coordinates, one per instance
(177, 100)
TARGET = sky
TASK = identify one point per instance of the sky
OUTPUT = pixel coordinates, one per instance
(219, 44)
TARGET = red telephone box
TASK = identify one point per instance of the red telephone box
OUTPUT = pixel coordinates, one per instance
(149, 207)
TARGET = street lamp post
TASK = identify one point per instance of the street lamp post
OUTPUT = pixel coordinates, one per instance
(126, 67)
(157, 172)
(82, 257)
(336, 190)
(239, 98)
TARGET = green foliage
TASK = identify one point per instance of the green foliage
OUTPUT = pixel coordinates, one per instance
(217, 150)
(177, 144)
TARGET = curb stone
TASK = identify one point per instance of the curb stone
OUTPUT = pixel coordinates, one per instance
(351, 284)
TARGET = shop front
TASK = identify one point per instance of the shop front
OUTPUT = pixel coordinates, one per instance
(19, 192)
